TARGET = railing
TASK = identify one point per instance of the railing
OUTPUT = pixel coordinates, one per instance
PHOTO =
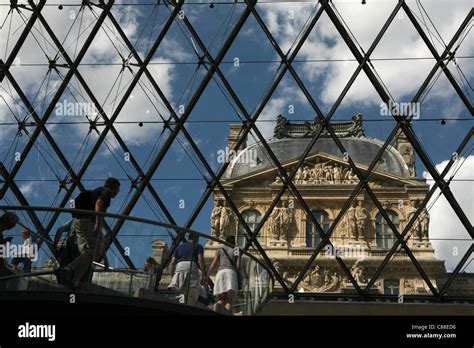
(116, 280)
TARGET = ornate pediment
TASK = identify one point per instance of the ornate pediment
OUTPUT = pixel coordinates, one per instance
(323, 169)
(322, 172)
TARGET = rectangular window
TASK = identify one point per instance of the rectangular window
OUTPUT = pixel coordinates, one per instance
(391, 287)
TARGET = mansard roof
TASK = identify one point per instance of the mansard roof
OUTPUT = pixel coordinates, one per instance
(291, 140)
(271, 173)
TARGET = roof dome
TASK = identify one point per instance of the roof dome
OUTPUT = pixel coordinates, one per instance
(361, 149)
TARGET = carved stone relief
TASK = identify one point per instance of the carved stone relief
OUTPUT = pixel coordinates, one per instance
(357, 272)
(322, 280)
(323, 173)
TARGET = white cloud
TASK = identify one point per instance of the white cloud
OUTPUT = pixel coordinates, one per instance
(444, 223)
(28, 189)
(401, 40)
(275, 107)
(99, 78)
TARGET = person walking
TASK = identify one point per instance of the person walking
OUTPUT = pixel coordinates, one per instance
(26, 255)
(189, 270)
(227, 278)
(87, 229)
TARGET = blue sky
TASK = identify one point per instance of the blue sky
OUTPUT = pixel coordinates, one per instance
(177, 178)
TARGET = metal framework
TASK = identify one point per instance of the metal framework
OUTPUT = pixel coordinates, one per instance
(176, 125)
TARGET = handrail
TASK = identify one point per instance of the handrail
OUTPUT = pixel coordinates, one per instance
(26, 275)
(136, 219)
(34, 274)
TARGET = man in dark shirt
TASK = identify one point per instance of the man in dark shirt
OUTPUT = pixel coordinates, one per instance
(90, 240)
(188, 252)
(188, 269)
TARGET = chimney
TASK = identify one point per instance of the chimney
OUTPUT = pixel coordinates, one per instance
(160, 250)
(405, 148)
(235, 130)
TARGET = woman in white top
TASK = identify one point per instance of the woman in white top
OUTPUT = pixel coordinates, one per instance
(226, 284)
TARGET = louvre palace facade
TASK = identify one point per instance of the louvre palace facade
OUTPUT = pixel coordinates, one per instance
(362, 237)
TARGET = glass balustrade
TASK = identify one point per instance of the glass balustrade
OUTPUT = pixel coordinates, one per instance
(146, 260)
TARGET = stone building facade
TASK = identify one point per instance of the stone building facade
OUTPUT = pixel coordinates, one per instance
(361, 237)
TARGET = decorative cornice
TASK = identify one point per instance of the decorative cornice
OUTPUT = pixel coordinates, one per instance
(286, 129)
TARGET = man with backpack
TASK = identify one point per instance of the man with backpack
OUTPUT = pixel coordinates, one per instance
(87, 228)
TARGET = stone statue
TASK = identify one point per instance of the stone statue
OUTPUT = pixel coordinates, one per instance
(299, 176)
(337, 174)
(424, 220)
(362, 217)
(314, 279)
(409, 287)
(328, 173)
(409, 213)
(281, 219)
(358, 128)
(351, 222)
(286, 217)
(327, 278)
(216, 219)
(278, 267)
(336, 281)
(306, 174)
(318, 172)
(317, 276)
(274, 226)
(406, 151)
(321, 280)
(331, 282)
(354, 178)
(277, 180)
(281, 128)
(357, 272)
(323, 173)
(410, 210)
(225, 221)
(350, 177)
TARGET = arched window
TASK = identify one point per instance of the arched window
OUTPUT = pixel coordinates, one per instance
(383, 233)
(312, 235)
(252, 217)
